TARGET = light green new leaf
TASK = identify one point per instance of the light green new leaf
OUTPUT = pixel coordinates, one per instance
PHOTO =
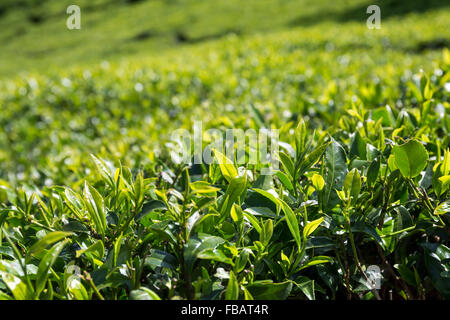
(313, 157)
(266, 232)
(46, 263)
(352, 184)
(47, 240)
(104, 172)
(292, 223)
(227, 167)
(314, 261)
(285, 180)
(335, 172)
(443, 208)
(76, 289)
(311, 226)
(236, 213)
(254, 222)
(445, 182)
(234, 190)
(202, 187)
(232, 291)
(318, 181)
(97, 249)
(18, 288)
(95, 207)
(411, 158)
(4, 296)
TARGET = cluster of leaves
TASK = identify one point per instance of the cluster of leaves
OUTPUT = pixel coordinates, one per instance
(51, 122)
(371, 191)
(364, 175)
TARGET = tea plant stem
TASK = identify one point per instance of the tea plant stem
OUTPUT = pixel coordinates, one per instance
(385, 200)
(183, 239)
(355, 255)
(346, 274)
(391, 271)
(88, 278)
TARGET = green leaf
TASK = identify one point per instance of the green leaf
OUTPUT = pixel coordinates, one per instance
(96, 207)
(4, 296)
(313, 157)
(352, 184)
(227, 167)
(292, 222)
(215, 254)
(318, 182)
(267, 290)
(443, 208)
(287, 163)
(160, 259)
(404, 219)
(263, 182)
(197, 245)
(436, 258)
(103, 170)
(143, 294)
(445, 182)
(150, 207)
(391, 163)
(232, 291)
(266, 232)
(411, 158)
(97, 249)
(18, 288)
(306, 286)
(269, 196)
(242, 259)
(46, 241)
(358, 146)
(234, 190)
(236, 213)
(285, 180)
(315, 261)
(73, 201)
(367, 229)
(335, 173)
(76, 289)
(201, 187)
(254, 222)
(46, 263)
(311, 226)
(427, 91)
(372, 172)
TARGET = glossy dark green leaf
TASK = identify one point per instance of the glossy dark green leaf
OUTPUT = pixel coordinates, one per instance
(143, 294)
(149, 207)
(267, 290)
(335, 173)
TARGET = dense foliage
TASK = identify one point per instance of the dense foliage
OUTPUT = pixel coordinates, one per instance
(92, 206)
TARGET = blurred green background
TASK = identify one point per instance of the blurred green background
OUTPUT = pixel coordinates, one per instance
(33, 33)
(137, 70)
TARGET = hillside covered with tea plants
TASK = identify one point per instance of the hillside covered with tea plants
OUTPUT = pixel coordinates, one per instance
(93, 204)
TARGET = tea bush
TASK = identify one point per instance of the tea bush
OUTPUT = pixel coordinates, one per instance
(94, 207)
